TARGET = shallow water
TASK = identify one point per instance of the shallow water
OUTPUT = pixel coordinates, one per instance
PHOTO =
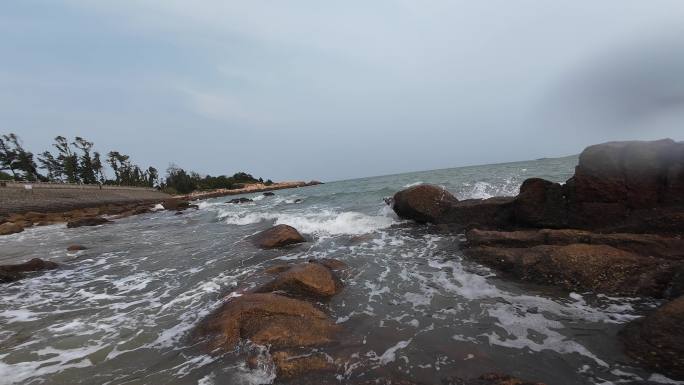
(413, 307)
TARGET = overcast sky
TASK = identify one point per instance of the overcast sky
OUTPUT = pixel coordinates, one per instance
(293, 90)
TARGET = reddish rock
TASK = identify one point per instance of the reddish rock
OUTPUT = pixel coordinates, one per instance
(10, 228)
(600, 268)
(292, 364)
(267, 319)
(424, 203)
(87, 221)
(277, 236)
(306, 279)
(657, 340)
(76, 248)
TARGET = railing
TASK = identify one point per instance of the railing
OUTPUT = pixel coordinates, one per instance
(59, 185)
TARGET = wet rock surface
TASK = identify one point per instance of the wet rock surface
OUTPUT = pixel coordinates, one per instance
(10, 228)
(240, 200)
(657, 340)
(423, 203)
(11, 273)
(277, 236)
(76, 248)
(267, 319)
(307, 279)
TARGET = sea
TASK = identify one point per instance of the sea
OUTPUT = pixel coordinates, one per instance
(413, 308)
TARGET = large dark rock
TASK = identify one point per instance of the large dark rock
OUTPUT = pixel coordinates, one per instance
(10, 273)
(424, 203)
(88, 221)
(599, 268)
(306, 279)
(267, 319)
(540, 203)
(277, 236)
(240, 200)
(657, 341)
(492, 213)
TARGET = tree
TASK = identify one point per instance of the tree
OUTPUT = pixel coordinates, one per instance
(152, 176)
(19, 161)
(67, 159)
(86, 172)
(179, 180)
(97, 167)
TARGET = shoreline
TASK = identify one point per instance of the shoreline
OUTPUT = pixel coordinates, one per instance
(252, 188)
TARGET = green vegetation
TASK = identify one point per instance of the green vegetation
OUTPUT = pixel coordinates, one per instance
(77, 162)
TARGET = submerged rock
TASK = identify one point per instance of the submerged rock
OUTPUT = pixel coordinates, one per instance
(240, 200)
(10, 228)
(267, 319)
(657, 340)
(424, 203)
(269, 194)
(88, 221)
(76, 248)
(277, 236)
(489, 379)
(601, 268)
(10, 273)
(292, 364)
(306, 279)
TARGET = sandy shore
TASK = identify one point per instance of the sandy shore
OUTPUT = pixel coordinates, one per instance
(251, 188)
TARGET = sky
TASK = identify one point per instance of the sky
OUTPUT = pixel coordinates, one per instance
(300, 90)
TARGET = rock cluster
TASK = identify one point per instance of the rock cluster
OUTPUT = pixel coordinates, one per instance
(279, 315)
(240, 200)
(615, 227)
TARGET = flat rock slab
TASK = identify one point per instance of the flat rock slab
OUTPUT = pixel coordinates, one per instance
(277, 236)
(267, 319)
(599, 268)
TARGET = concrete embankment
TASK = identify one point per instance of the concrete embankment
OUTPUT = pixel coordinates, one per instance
(52, 197)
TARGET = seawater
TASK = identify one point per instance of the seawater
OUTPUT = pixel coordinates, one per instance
(413, 307)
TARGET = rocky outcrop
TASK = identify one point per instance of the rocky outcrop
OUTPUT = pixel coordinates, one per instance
(424, 203)
(632, 186)
(267, 319)
(306, 279)
(176, 204)
(10, 228)
(600, 268)
(657, 340)
(88, 221)
(11, 273)
(277, 236)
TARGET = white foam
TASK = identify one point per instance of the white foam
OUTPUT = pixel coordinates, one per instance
(413, 184)
(390, 355)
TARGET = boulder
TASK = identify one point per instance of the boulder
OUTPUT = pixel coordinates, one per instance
(240, 200)
(87, 221)
(424, 203)
(266, 319)
(599, 268)
(305, 279)
(657, 340)
(269, 194)
(540, 203)
(10, 273)
(76, 248)
(10, 228)
(491, 213)
(277, 236)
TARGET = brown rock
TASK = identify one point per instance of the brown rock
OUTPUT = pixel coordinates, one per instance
(540, 204)
(424, 203)
(600, 268)
(10, 273)
(306, 279)
(87, 221)
(10, 228)
(648, 245)
(267, 319)
(657, 341)
(277, 236)
(291, 364)
(330, 263)
(76, 248)
(175, 204)
(483, 213)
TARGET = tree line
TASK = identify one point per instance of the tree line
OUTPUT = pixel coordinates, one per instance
(76, 162)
